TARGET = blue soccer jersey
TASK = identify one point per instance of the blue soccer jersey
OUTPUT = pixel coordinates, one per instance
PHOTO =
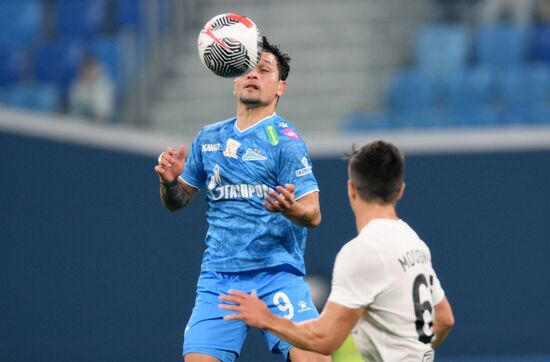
(237, 169)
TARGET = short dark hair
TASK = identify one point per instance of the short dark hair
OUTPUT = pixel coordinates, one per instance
(283, 60)
(377, 170)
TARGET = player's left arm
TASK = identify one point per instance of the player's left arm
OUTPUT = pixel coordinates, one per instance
(443, 314)
(304, 212)
(443, 322)
(323, 335)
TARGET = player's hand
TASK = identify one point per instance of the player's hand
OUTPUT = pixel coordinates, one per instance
(281, 200)
(250, 308)
(170, 164)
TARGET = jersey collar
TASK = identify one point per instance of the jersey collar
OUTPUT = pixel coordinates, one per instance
(380, 221)
(251, 126)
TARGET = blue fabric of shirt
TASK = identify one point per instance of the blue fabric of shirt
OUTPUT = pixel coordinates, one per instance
(237, 169)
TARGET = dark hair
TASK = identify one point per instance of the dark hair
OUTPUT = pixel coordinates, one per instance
(377, 170)
(283, 59)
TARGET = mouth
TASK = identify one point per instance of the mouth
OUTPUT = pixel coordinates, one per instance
(251, 86)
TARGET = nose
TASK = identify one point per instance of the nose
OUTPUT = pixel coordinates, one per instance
(253, 74)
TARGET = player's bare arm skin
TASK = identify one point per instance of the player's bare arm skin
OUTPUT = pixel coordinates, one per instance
(443, 322)
(174, 193)
(303, 212)
(323, 335)
(177, 195)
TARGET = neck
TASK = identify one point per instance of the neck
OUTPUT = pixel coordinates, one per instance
(365, 212)
(248, 116)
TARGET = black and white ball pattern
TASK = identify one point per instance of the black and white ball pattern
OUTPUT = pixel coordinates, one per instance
(230, 45)
(232, 61)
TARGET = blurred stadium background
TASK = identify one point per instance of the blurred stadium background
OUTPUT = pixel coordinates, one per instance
(94, 269)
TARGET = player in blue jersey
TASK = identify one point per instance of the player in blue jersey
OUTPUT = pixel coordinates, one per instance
(262, 195)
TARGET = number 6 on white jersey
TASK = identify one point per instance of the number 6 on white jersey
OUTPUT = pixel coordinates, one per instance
(282, 302)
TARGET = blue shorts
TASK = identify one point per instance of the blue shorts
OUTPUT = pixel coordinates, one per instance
(284, 292)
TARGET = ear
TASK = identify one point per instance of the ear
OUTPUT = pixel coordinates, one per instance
(281, 88)
(401, 191)
(235, 86)
(352, 190)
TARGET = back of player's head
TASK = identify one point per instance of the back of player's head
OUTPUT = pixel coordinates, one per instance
(283, 60)
(377, 170)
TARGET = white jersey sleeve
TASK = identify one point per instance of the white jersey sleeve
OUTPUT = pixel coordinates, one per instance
(437, 291)
(359, 275)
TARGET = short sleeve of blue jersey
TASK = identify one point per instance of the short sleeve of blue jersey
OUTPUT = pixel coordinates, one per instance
(193, 173)
(295, 168)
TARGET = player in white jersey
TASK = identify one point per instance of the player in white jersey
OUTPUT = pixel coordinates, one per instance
(384, 288)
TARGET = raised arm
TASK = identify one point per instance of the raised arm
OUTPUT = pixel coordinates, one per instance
(304, 211)
(174, 193)
(323, 335)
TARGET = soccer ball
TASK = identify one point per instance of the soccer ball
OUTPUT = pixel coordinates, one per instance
(230, 45)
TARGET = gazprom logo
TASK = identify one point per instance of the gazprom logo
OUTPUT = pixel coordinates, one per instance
(219, 191)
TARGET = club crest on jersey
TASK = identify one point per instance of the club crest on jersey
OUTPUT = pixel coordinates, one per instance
(253, 155)
(306, 170)
(231, 148)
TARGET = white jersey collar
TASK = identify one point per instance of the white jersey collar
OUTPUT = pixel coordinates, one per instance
(374, 222)
(254, 125)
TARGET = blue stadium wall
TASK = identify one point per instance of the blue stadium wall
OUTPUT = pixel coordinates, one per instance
(93, 268)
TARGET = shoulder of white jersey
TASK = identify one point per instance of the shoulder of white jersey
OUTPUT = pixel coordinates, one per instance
(418, 239)
(360, 244)
(361, 253)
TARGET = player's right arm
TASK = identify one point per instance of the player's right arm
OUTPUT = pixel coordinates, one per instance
(174, 193)
(443, 321)
(323, 335)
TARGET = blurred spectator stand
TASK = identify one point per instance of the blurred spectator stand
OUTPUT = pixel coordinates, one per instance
(92, 95)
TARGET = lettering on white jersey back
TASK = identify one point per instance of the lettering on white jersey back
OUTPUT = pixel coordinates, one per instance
(423, 307)
(411, 258)
(428, 356)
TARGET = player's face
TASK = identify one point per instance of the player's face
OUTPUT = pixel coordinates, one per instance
(261, 86)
